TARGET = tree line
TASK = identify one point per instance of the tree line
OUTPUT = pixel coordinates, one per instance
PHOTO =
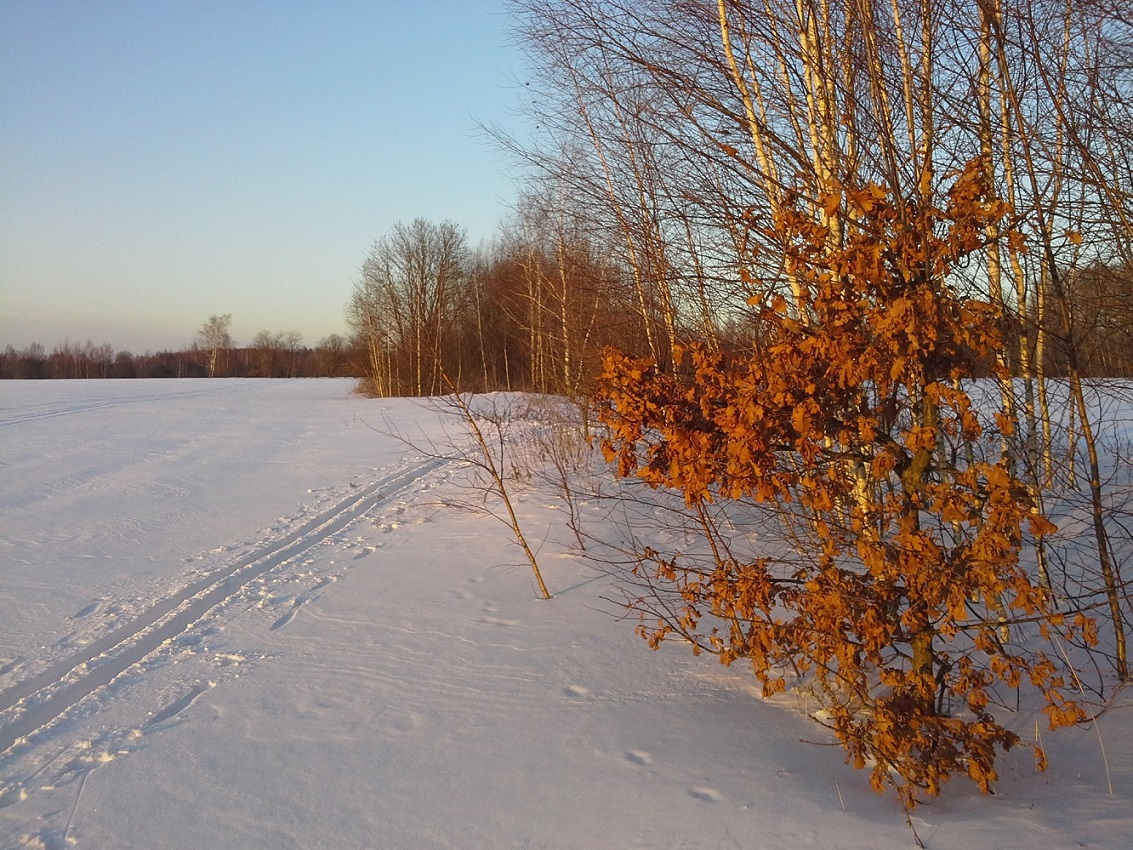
(270, 355)
(535, 309)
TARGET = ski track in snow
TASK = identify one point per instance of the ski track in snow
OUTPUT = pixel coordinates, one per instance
(39, 700)
(50, 410)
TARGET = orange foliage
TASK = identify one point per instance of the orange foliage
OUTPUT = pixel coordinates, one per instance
(848, 421)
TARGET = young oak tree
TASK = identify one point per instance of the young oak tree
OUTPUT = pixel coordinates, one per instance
(898, 604)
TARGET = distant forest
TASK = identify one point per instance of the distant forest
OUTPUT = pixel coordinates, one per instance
(269, 356)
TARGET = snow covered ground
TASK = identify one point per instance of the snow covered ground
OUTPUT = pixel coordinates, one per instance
(237, 614)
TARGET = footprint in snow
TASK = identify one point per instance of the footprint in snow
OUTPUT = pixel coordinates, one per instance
(12, 794)
(577, 692)
(708, 795)
(299, 601)
(639, 757)
(500, 621)
(285, 619)
(176, 707)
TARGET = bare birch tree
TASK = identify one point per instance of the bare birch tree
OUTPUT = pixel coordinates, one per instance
(214, 339)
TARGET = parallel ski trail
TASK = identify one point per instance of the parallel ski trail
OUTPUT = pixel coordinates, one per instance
(73, 678)
(35, 413)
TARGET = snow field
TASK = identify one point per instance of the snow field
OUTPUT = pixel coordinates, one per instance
(389, 679)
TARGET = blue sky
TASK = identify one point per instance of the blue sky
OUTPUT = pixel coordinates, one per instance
(164, 161)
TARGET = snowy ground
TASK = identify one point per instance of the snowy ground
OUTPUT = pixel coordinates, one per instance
(234, 614)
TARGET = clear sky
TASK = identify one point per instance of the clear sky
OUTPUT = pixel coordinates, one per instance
(164, 161)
